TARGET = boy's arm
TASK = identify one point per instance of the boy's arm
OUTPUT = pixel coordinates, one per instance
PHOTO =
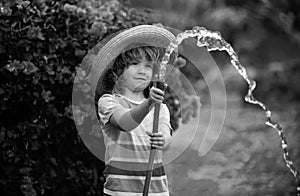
(128, 120)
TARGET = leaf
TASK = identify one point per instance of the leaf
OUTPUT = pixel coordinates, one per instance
(14, 66)
(49, 69)
(69, 8)
(53, 160)
(25, 3)
(5, 11)
(25, 170)
(72, 173)
(35, 145)
(35, 33)
(79, 53)
(53, 173)
(47, 96)
(23, 42)
(29, 67)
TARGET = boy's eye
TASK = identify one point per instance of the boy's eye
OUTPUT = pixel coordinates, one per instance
(149, 65)
(134, 63)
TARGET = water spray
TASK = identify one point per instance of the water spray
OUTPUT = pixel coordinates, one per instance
(213, 41)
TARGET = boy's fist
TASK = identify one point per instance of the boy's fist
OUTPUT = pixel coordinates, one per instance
(157, 140)
(156, 94)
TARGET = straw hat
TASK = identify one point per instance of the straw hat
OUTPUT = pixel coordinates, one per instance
(142, 35)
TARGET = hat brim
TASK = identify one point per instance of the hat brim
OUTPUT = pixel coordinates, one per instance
(142, 35)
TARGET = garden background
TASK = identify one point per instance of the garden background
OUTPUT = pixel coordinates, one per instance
(42, 44)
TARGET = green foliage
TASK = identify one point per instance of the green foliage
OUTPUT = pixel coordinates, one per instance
(41, 45)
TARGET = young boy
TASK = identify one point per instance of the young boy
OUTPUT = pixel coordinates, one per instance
(126, 114)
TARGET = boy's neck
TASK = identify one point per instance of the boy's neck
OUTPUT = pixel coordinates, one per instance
(134, 96)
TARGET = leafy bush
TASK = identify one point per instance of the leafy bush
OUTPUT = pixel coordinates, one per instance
(41, 45)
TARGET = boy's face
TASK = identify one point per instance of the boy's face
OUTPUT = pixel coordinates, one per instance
(138, 75)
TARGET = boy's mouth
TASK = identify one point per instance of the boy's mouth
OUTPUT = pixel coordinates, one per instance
(144, 79)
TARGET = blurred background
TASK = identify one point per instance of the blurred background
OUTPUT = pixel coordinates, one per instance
(44, 44)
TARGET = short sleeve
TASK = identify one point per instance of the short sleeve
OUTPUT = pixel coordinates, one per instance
(107, 105)
(164, 116)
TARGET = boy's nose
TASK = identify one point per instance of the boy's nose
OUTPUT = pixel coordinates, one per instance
(141, 69)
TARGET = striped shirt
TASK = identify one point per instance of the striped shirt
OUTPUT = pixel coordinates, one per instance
(127, 153)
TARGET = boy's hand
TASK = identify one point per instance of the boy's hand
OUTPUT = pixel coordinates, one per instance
(156, 95)
(157, 140)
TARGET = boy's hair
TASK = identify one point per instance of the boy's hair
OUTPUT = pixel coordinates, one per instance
(151, 53)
